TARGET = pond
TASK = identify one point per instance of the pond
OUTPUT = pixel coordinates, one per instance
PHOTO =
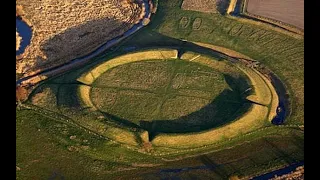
(25, 32)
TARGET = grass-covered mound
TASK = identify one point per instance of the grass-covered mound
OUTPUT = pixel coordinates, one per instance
(164, 99)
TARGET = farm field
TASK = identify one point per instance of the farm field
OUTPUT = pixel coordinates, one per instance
(192, 95)
(287, 11)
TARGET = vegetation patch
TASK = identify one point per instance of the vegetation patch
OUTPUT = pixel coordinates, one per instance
(203, 110)
(196, 24)
(171, 99)
(89, 77)
(84, 92)
(184, 22)
(278, 49)
(206, 6)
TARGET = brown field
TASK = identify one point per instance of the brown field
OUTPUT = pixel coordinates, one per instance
(287, 11)
(64, 30)
(206, 6)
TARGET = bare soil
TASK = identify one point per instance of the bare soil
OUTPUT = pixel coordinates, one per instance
(287, 11)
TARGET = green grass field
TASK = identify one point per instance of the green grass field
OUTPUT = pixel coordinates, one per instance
(185, 95)
(283, 53)
(40, 139)
(152, 90)
(92, 122)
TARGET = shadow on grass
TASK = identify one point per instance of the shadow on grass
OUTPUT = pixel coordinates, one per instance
(280, 153)
(214, 167)
(147, 39)
(222, 6)
(67, 96)
(226, 107)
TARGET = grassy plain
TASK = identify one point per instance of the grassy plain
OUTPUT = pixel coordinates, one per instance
(246, 155)
(278, 50)
(86, 156)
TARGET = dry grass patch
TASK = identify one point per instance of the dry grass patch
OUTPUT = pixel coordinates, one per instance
(18, 40)
(45, 98)
(275, 99)
(86, 78)
(189, 55)
(206, 6)
(122, 136)
(232, 5)
(64, 30)
(221, 66)
(84, 92)
(262, 94)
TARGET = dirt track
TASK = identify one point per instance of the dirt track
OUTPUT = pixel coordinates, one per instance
(287, 11)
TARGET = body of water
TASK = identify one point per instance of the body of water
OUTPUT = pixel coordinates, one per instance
(279, 172)
(25, 32)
